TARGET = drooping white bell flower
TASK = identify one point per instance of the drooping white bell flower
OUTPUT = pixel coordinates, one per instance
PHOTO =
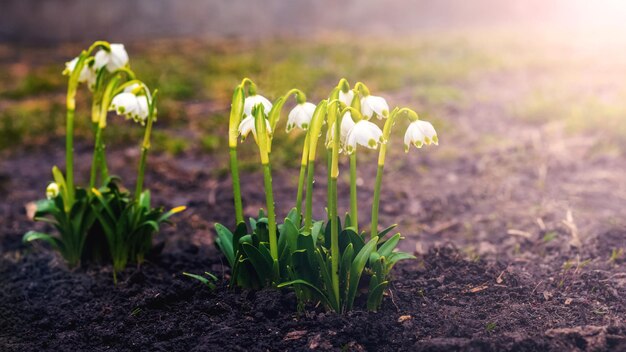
(346, 98)
(113, 59)
(52, 191)
(372, 105)
(247, 125)
(347, 123)
(87, 73)
(255, 100)
(144, 108)
(300, 116)
(132, 106)
(419, 133)
(363, 133)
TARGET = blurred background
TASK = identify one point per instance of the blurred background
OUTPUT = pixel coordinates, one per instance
(529, 98)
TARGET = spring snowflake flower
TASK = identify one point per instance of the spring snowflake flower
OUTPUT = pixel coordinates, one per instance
(346, 125)
(363, 133)
(372, 105)
(300, 116)
(114, 59)
(419, 133)
(346, 98)
(132, 106)
(255, 100)
(87, 74)
(52, 191)
(247, 125)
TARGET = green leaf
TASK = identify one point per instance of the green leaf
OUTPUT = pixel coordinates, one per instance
(387, 248)
(320, 294)
(316, 229)
(34, 236)
(375, 296)
(344, 269)
(358, 264)
(262, 267)
(240, 231)
(382, 233)
(225, 242)
(203, 279)
(144, 199)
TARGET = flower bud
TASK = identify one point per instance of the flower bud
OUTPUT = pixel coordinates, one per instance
(52, 191)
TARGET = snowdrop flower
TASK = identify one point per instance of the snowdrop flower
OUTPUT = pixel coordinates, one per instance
(372, 105)
(419, 133)
(300, 116)
(113, 59)
(254, 100)
(132, 106)
(87, 74)
(363, 133)
(247, 125)
(52, 191)
(346, 98)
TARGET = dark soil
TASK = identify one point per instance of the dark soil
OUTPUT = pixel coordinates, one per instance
(447, 299)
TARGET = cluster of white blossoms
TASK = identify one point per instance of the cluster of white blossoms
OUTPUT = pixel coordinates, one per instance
(132, 103)
(112, 59)
(354, 131)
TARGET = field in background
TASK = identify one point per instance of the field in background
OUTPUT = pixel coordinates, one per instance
(569, 82)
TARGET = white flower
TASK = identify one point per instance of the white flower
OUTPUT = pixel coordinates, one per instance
(87, 74)
(255, 100)
(347, 123)
(300, 116)
(419, 133)
(363, 133)
(247, 125)
(372, 105)
(346, 98)
(52, 191)
(132, 106)
(116, 58)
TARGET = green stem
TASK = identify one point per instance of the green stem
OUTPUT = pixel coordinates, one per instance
(301, 178)
(308, 216)
(145, 147)
(69, 153)
(303, 165)
(379, 171)
(234, 170)
(271, 213)
(332, 209)
(354, 209)
(376, 201)
(329, 161)
(95, 162)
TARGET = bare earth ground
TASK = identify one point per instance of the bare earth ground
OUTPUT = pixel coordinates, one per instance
(517, 222)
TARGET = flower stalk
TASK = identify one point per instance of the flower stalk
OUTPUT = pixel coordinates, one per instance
(236, 113)
(314, 131)
(263, 143)
(145, 146)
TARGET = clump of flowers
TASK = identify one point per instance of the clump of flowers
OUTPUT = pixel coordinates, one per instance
(323, 261)
(102, 220)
